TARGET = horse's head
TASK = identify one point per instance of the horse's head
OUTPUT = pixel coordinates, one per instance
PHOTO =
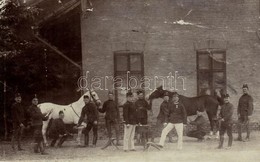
(93, 97)
(158, 93)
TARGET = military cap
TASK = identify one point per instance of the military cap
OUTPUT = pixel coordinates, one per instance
(245, 86)
(139, 91)
(226, 95)
(129, 94)
(17, 95)
(175, 94)
(166, 93)
(110, 92)
(35, 97)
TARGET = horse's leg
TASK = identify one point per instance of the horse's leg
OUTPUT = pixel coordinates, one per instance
(210, 116)
(44, 131)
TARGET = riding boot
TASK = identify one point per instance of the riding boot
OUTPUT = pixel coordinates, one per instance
(61, 141)
(230, 140)
(53, 142)
(94, 140)
(35, 148)
(86, 140)
(221, 141)
(118, 142)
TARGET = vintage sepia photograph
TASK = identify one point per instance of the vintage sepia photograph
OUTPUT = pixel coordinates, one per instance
(130, 80)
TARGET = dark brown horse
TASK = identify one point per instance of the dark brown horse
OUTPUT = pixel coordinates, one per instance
(192, 104)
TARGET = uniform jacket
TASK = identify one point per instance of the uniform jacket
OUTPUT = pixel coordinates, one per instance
(226, 112)
(164, 110)
(176, 114)
(18, 113)
(129, 113)
(201, 123)
(142, 106)
(245, 105)
(57, 127)
(111, 110)
(90, 111)
(36, 115)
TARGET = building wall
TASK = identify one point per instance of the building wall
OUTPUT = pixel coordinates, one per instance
(151, 26)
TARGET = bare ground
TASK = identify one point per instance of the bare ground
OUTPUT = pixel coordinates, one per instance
(192, 151)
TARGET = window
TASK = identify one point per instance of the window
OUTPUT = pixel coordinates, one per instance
(131, 65)
(211, 70)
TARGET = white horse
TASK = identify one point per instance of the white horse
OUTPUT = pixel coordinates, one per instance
(72, 113)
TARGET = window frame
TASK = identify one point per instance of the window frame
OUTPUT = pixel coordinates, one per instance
(128, 55)
(211, 70)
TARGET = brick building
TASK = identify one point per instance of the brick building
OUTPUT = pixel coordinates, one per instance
(204, 43)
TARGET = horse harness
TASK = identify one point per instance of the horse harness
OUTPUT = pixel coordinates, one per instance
(74, 110)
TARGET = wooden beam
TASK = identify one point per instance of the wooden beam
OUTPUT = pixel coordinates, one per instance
(57, 51)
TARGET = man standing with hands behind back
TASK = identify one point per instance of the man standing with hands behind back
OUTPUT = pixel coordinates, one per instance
(112, 116)
(244, 112)
(18, 116)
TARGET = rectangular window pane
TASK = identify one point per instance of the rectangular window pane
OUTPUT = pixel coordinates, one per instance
(121, 88)
(218, 61)
(121, 63)
(218, 80)
(135, 81)
(135, 63)
(203, 61)
(204, 81)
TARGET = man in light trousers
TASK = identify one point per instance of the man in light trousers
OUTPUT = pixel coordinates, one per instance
(175, 118)
(130, 121)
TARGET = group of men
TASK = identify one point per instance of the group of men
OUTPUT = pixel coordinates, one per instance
(57, 129)
(135, 112)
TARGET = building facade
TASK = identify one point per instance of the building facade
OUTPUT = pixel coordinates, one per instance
(198, 43)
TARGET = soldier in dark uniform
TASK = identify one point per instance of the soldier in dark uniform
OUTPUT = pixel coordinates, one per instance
(18, 116)
(130, 121)
(90, 111)
(244, 112)
(112, 116)
(162, 115)
(226, 123)
(36, 122)
(142, 107)
(58, 130)
(201, 124)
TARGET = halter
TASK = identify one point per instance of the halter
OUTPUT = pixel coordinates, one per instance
(74, 110)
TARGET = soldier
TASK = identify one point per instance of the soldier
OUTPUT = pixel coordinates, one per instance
(226, 123)
(162, 115)
(175, 118)
(18, 116)
(112, 116)
(142, 107)
(58, 130)
(90, 111)
(36, 122)
(244, 112)
(130, 121)
(201, 124)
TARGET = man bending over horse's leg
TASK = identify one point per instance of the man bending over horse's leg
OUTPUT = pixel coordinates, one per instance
(201, 124)
(175, 118)
(58, 130)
